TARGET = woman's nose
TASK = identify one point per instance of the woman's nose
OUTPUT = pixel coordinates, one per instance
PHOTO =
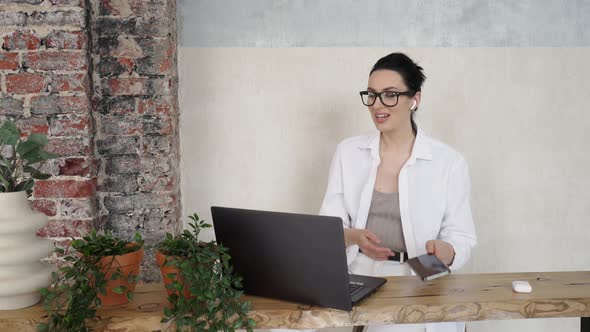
(378, 104)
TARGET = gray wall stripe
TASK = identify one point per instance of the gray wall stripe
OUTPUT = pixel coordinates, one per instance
(384, 23)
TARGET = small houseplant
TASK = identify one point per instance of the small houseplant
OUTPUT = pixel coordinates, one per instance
(17, 170)
(102, 271)
(22, 271)
(203, 291)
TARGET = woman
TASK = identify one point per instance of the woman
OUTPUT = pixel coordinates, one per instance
(399, 192)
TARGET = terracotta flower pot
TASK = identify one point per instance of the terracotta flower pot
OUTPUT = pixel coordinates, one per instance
(161, 258)
(128, 264)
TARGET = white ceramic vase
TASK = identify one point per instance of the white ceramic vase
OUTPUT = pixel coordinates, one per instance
(22, 273)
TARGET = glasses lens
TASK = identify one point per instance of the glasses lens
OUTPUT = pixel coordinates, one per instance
(368, 98)
(389, 98)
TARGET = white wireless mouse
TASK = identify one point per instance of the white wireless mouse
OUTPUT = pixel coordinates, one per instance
(521, 286)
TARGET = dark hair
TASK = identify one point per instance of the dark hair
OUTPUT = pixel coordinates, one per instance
(410, 72)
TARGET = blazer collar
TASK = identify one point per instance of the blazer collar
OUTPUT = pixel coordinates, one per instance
(420, 150)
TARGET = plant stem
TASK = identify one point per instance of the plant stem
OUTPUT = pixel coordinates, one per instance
(14, 166)
(9, 179)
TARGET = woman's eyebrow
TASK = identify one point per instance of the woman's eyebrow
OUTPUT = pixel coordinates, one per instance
(385, 89)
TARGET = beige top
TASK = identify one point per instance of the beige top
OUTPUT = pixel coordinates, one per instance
(385, 221)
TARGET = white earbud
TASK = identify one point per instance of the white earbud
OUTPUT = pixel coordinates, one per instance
(413, 106)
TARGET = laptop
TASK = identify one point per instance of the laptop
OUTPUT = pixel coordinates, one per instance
(292, 257)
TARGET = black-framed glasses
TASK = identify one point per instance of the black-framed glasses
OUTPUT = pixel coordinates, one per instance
(388, 98)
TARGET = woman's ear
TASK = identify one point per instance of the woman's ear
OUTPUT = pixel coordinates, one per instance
(416, 101)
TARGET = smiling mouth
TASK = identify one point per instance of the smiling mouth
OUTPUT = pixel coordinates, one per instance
(382, 116)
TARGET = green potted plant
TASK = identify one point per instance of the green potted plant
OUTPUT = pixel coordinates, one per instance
(22, 271)
(102, 271)
(203, 291)
(17, 170)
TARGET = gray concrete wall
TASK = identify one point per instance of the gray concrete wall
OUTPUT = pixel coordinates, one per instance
(384, 23)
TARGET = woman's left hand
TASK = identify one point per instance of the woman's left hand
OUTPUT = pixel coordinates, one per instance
(441, 249)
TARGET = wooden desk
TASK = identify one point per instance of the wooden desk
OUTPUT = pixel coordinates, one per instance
(466, 297)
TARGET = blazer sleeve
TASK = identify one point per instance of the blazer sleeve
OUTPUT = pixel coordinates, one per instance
(457, 227)
(333, 203)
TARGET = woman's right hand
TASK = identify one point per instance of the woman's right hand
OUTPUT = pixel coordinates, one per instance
(367, 242)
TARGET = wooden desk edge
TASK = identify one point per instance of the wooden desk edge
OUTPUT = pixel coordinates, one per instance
(145, 312)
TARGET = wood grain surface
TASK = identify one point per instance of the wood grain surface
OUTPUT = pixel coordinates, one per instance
(461, 297)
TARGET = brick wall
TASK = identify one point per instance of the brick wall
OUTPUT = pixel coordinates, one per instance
(99, 77)
(136, 112)
(44, 80)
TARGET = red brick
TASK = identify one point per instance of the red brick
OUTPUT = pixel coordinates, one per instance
(127, 63)
(154, 106)
(47, 207)
(155, 183)
(11, 106)
(154, 26)
(65, 228)
(21, 40)
(70, 125)
(55, 104)
(125, 164)
(140, 7)
(122, 105)
(76, 208)
(160, 61)
(75, 166)
(121, 125)
(114, 8)
(161, 124)
(133, 7)
(66, 40)
(25, 83)
(126, 86)
(69, 82)
(57, 18)
(67, 2)
(59, 60)
(66, 146)
(64, 188)
(12, 18)
(115, 26)
(8, 61)
(157, 164)
(33, 125)
(158, 145)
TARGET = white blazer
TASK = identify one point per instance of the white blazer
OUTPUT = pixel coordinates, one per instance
(433, 189)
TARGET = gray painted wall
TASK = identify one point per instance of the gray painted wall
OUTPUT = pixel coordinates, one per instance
(384, 23)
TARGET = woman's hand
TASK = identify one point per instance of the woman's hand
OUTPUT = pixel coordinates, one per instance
(441, 249)
(367, 242)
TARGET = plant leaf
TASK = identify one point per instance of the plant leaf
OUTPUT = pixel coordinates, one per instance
(3, 179)
(9, 133)
(39, 139)
(46, 155)
(40, 176)
(28, 148)
(35, 173)
(25, 185)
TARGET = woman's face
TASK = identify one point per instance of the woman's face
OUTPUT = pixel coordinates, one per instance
(390, 118)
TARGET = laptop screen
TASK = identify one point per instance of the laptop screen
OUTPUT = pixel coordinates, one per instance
(287, 256)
